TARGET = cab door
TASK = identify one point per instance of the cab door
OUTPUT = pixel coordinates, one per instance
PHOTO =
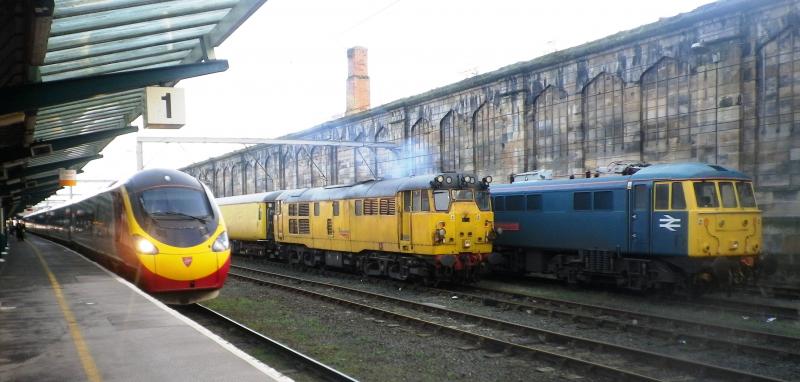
(404, 231)
(639, 212)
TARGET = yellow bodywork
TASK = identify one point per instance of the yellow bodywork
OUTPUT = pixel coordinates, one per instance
(411, 232)
(169, 262)
(247, 221)
(722, 231)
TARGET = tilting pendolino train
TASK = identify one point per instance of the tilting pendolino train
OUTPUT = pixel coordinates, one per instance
(670, 226)
(429, 228)
(159, 228)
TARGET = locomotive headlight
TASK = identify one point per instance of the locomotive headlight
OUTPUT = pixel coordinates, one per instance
(145, 246)
(449, 179)
(439, 179)
(221, 243)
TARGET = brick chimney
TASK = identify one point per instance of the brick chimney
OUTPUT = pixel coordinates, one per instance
(357, 80)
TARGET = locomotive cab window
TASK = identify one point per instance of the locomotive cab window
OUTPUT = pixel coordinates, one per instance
(426, 204)
(727, 194)
(459, 195)
(678, 199)
(603, 200)
(662, 196)
(745, 192)
(175, 201)
(482, 200)
(706, 194)
(669, 196)
(407, 201)
(441, 200)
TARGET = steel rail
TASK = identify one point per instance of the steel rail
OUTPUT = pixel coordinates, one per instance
(716, 329)
(319, 369)
(490, 343)
(679, 364)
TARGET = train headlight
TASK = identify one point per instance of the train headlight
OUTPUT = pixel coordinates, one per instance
(449, 180)
(221, 243)
(439, 179)
(145, 246)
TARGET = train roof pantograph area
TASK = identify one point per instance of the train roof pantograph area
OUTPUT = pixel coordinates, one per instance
(72, 74)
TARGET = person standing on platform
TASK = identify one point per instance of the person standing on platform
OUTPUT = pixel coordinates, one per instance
(20, 230)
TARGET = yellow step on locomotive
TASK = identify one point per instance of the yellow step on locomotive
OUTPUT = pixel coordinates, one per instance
(427, 227)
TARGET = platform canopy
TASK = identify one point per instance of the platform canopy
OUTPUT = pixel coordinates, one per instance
(72, 74)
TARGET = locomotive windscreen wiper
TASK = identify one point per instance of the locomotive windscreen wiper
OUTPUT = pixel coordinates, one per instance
(181, 214)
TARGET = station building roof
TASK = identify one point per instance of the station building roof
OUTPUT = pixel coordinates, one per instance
(72, 74)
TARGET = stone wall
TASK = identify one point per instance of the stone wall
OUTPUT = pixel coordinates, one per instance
(715, 85)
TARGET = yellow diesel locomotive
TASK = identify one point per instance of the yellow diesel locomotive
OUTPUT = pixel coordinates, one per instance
(430, 228)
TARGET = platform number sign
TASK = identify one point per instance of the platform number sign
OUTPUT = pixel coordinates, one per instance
(164, 108)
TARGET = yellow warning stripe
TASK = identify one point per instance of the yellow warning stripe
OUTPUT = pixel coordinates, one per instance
(83, 350)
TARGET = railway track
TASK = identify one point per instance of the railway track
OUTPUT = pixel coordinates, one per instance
(598, 358)
(781, 291)
(744, 307)
(709, 335)
(297, 363)
(716, 302)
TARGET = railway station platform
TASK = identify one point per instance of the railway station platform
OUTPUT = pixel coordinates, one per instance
(62, 317)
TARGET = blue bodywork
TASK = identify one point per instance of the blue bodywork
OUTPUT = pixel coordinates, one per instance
(598, 214)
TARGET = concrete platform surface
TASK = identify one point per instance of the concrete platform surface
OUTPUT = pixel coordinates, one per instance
(63, 318)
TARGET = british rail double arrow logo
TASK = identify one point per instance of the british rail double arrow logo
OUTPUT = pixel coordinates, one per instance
(670, 223)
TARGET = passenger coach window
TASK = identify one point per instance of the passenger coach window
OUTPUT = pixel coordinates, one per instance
(534, 202)
(441, 200)
(706, 194)
(662, 196)
(603, 200)
(728, 195)
(678, 200)
(746, 198)
(582, 201)
(515, 203)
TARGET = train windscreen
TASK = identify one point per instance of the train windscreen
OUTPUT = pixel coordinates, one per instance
(175, 201)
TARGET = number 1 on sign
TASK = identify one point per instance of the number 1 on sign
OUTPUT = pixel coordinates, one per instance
(168, 100)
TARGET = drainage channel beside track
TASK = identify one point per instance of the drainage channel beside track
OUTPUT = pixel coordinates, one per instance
(598, 358)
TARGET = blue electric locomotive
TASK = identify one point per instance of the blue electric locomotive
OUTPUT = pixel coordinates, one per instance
(656, 227)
